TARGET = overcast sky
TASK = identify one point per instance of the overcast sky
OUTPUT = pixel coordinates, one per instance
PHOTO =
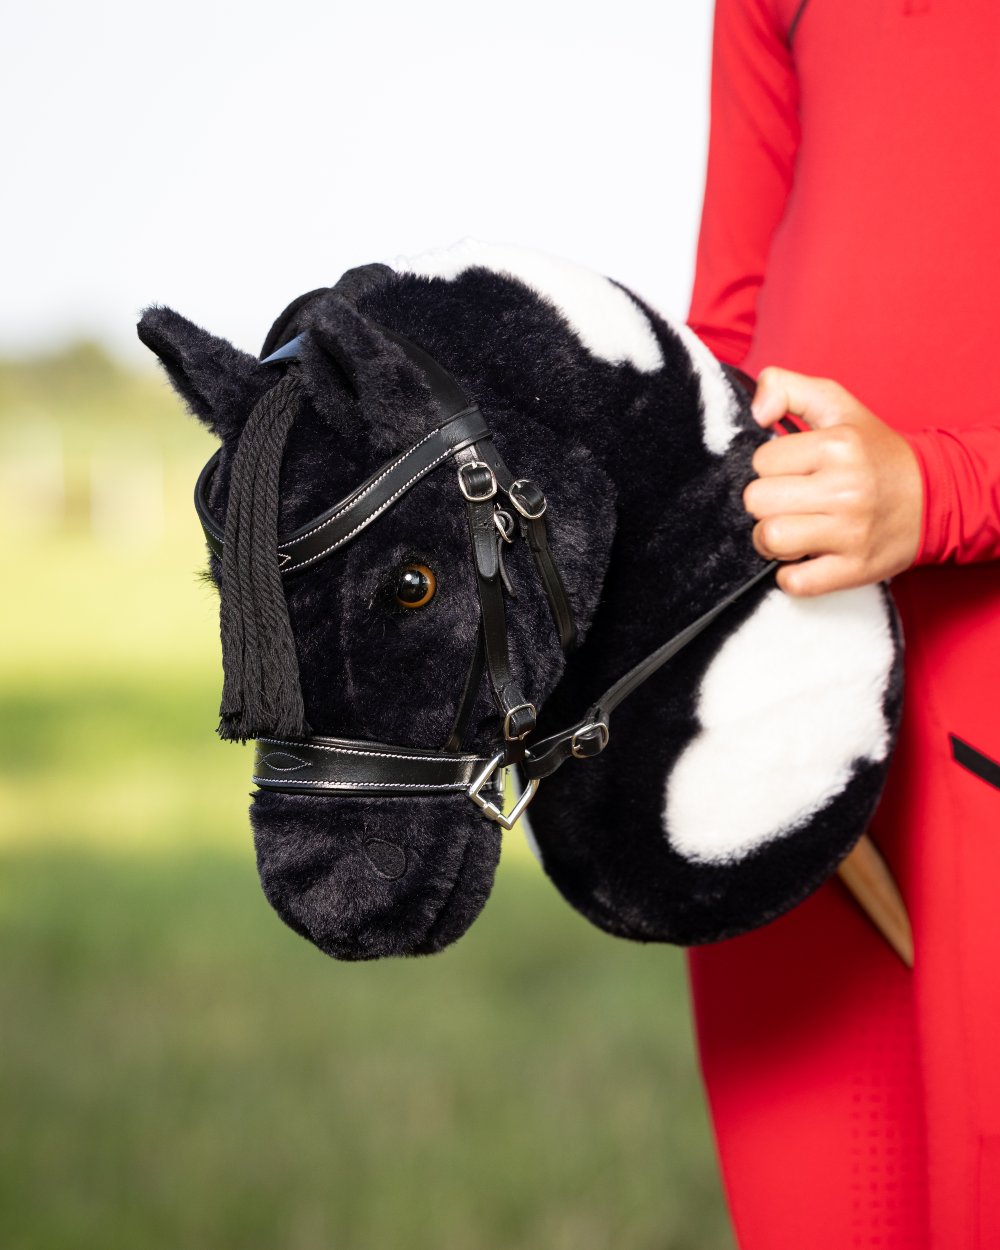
(223, 158)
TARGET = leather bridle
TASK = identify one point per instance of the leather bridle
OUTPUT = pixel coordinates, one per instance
(499, 507)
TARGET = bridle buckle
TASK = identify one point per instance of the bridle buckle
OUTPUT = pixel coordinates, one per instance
(583, 746)
(504, 523)
(517, 498)
(471, 495)
(509, 819)
(507, 727)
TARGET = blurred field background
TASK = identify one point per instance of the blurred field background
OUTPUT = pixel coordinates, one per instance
(179, 1070)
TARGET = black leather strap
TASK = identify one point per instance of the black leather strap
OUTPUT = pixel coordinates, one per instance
(448, 395)
(467, 702)
(475, 481)
(356, 767)
(536, 533)
(529, 505)
(354, 513)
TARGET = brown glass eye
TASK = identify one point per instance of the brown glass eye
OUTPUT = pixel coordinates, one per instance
(416, 586)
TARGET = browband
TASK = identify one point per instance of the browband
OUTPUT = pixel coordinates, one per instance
(324, 534)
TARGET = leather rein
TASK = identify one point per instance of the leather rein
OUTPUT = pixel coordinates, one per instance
(498, 507)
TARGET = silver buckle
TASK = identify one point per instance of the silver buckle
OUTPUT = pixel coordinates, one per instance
(506, 721)
(504, 523)
(528, 516)
(605, 738)
(476, 464)
(489, 808)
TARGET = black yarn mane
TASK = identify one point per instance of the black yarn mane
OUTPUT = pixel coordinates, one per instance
(261, 692)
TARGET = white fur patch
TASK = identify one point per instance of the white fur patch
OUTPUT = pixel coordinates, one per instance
(606, 321)
(787, 707)
(718, 403)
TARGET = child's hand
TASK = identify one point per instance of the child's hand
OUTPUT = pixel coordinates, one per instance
(847, 493)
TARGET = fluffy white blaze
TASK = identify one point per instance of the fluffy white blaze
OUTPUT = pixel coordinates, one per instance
(606, 321)
(718, 403)
(788, 705)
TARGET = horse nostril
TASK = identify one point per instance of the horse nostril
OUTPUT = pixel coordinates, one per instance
(388, 859)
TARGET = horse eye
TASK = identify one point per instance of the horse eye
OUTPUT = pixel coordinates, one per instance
(416, 586)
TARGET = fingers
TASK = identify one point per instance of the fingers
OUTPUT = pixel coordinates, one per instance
(820, 575)
(839, 505)
(820, 402)
(838, 447)
(772, 496)
(794, 537)
(793, 453)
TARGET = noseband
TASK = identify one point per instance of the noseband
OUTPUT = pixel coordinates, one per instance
(499, 508)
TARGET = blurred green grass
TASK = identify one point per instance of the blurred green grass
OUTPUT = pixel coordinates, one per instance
(177, 1068)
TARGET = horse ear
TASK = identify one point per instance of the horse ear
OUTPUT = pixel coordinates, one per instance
(219, 383)
(395, 401)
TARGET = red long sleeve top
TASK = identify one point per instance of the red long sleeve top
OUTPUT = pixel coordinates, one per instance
(850, 226)
(850, 230)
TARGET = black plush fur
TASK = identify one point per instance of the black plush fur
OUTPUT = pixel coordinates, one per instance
(648, 530)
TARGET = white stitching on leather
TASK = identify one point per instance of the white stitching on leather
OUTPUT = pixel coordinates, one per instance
(278, 768)
(288, 568)
(357, 499)
(371, 785)
(376, 755)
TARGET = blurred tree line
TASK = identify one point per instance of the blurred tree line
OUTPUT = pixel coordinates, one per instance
(87, 442)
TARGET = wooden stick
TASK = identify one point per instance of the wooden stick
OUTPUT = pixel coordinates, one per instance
(866, 875)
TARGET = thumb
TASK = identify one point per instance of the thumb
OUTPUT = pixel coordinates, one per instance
(818, 401)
